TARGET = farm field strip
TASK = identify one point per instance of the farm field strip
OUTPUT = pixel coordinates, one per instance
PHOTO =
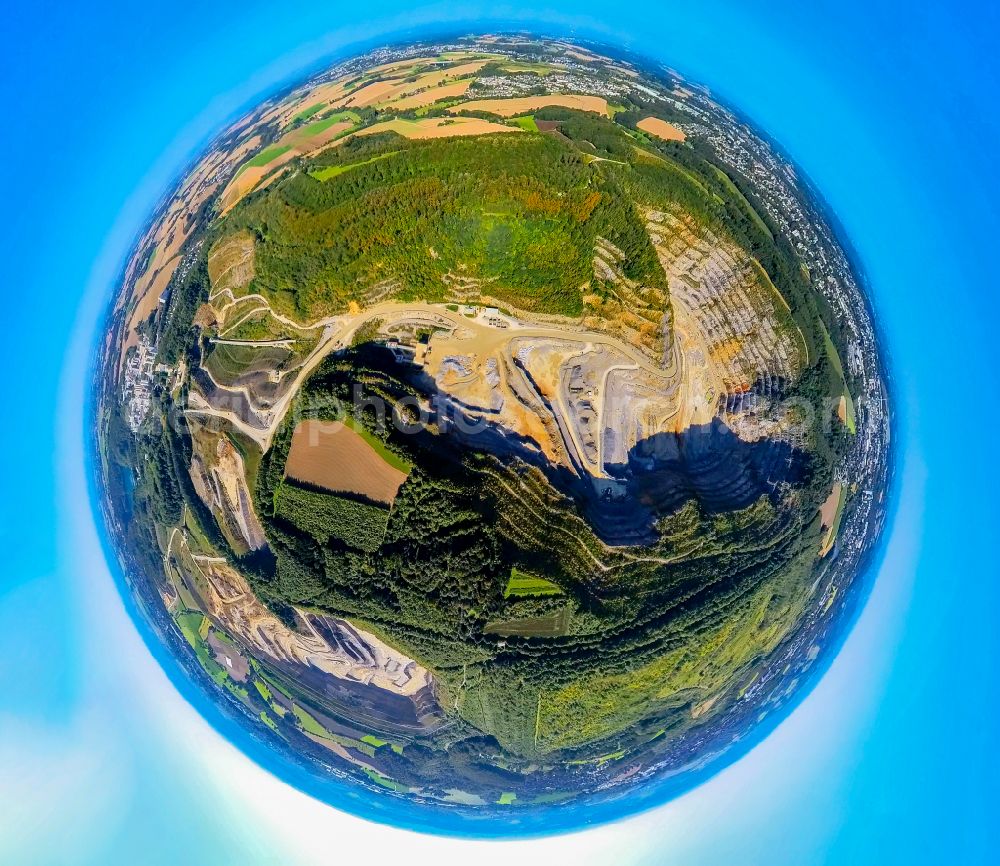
(509, 106)
(830, 513)
(430, 96)
(661, 129)
(437, 127)
(335, 457)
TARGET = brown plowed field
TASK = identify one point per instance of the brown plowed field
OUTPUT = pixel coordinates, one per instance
(329, 455)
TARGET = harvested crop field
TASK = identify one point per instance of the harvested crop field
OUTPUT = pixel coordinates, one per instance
(251, 175)
(379, 92)
(830, 513)
(332, 456)
(431, 95)
(524, 104)
(376, 91)
(438, 127)
(661, 129)
(552, 625)
(315, 135)
(523, 585)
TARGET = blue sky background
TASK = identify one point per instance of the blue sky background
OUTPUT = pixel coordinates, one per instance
(891, 108)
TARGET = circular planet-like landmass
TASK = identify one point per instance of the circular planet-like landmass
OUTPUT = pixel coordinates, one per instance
(494, 424)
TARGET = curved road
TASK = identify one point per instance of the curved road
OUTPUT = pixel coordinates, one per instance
(485, 340)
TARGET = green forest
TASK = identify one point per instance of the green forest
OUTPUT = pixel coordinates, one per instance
(518, 214)
(434, 577)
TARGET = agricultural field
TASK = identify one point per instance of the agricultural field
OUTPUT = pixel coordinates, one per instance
(660, 128)
(523, 104)
(435, 127)
(845, 408)
(831, 513)
(334, 457)
(264, 158)
(432, 95)
(551, 625)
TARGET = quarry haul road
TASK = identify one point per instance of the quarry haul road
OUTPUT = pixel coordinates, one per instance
(485, 340)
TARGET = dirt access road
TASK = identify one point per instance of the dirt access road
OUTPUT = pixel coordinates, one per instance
(477, 336)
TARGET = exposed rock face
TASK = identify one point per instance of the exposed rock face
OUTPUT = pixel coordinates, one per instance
(219, 478)
(325, 644)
